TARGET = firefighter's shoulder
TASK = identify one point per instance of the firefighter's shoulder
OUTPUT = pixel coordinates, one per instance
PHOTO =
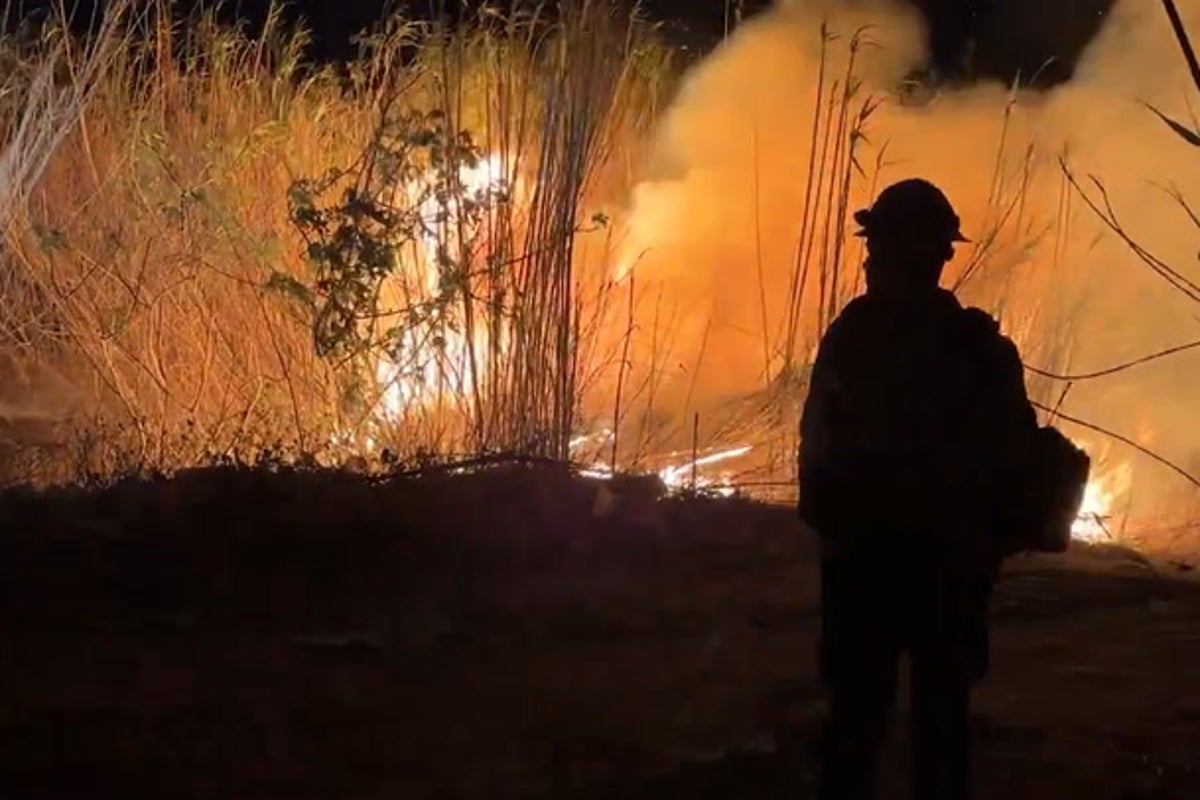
(850, 331)
(856, 315)
(980, 321)
(984, 330)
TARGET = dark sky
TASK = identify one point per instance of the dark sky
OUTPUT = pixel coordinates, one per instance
(1013, 36)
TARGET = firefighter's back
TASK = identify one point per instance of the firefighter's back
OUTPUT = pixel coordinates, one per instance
(912, 415)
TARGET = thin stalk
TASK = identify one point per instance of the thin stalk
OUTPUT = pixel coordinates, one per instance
(758, 260)
(621, 372)
(800, 269)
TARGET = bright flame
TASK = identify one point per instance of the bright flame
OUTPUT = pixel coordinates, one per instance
(680, 476)
(676, 477)
(1096, 515)
(424, 367)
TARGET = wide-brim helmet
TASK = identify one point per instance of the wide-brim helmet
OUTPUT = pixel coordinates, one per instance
(911, 208)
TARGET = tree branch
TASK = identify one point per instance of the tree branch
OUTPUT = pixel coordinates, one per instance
(1137, 362)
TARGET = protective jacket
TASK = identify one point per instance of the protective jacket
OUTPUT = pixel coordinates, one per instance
(910, 432)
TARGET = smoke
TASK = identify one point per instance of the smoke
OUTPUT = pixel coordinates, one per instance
(713, 228)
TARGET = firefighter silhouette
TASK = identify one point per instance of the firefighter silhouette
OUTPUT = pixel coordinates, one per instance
(906, 452)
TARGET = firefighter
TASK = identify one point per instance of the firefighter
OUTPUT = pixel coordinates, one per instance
(905, 459)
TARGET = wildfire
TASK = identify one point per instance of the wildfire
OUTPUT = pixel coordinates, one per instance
(685, 475)
(1096, 515)
(681, 473)
(435, 357)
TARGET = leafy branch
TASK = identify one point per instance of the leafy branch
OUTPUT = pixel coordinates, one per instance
(401, 213)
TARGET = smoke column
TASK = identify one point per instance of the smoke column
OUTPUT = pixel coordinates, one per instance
(714, 224)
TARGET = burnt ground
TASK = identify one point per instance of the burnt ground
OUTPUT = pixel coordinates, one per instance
(517, 633)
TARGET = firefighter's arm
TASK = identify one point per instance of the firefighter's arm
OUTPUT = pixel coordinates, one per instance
(1020, 417)
(1006, 375)
(1016, 424)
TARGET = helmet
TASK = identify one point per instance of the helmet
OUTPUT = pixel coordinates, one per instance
(913, 207)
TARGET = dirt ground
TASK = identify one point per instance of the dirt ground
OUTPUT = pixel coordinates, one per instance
(518, 634)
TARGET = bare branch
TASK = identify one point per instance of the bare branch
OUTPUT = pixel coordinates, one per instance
(1183, 131)
(1185, 42)
(1104, 211)
(1137, 362)
(1125, 440)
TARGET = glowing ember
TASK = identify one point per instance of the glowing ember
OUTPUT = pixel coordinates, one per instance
(677, 477)
(1094, 523)
(680, 477)
(595, 439)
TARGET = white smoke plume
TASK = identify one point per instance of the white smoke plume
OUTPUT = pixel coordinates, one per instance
(714, 225)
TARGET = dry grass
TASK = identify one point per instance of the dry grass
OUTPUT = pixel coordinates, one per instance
(141, 313)
(151, 254)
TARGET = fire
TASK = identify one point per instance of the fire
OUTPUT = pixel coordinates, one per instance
(436, 357)
(683, 472)
(680, 476)
(1094, 523)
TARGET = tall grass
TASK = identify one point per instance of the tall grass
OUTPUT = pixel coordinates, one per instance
(153, 267)
(167, 303)
(840, 116)
(553, 113)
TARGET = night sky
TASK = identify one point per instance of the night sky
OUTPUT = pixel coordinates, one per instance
(1024, 37)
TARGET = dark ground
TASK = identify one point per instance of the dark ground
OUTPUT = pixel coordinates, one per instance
(504, 635)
